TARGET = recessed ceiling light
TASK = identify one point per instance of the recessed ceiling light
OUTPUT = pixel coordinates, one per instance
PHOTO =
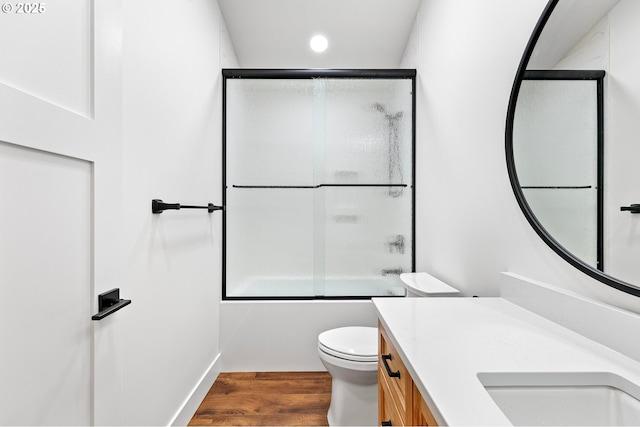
(319, 43)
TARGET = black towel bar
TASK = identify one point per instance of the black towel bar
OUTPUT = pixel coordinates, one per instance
(634, 208)
(158, 206)
(299, 187)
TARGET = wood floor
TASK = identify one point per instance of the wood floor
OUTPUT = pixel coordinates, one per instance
(266, 399)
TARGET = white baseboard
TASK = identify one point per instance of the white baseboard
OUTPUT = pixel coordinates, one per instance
(190, 405)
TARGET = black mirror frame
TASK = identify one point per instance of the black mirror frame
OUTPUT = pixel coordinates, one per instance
(513, 177)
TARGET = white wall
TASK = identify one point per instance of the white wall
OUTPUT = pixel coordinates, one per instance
(469, 226)
(172, 54)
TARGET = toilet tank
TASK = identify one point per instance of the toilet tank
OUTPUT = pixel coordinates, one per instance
(424, 285)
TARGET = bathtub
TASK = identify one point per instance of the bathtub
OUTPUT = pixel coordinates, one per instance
(334, 287)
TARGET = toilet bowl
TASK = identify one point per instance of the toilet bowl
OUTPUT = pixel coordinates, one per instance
(350, 354)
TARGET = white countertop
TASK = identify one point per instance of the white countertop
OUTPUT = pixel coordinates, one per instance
(447, 342)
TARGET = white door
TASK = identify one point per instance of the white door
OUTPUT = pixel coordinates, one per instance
(60, 157)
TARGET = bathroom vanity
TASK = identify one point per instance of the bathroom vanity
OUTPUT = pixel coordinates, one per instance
(491, 361)
(399, 400)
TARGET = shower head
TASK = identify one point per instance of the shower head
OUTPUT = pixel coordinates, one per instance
(381, 108)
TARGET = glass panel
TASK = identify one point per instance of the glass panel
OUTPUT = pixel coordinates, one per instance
(368, 241)
(270, 125)
(562, 212)
(556, 148)
(269, 242)
(368, 131)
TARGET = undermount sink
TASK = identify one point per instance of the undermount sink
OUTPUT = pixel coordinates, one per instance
(565, 398)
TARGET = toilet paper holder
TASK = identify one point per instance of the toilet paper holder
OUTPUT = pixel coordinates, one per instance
(108, 303)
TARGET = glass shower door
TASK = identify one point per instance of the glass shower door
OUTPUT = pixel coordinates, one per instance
(367, 153)
(318, 184)
(556, 150)
(269, 242)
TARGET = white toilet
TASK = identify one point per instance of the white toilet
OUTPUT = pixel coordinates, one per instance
(350, 354)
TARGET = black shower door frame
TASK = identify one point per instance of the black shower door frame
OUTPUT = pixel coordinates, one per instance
(597, 76)
(247, 73)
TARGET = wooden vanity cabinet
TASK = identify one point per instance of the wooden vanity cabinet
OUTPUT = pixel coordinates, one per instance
(399, 401)
(422, 415)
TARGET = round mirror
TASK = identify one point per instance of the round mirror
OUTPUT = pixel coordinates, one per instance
(573, 119)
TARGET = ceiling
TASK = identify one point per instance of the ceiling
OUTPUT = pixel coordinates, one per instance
(570, 21)
(361, 33)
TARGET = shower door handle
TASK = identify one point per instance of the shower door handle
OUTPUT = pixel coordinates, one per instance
(634, 209)
(385, 358)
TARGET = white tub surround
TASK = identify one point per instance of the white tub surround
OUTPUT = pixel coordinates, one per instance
(283, 335)
(450, 344)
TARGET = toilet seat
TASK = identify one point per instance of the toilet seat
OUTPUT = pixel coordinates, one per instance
(355, 343)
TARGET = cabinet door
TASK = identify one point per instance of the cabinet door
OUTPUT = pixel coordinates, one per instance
(388, 413)
(422, 415)
(396, 375)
